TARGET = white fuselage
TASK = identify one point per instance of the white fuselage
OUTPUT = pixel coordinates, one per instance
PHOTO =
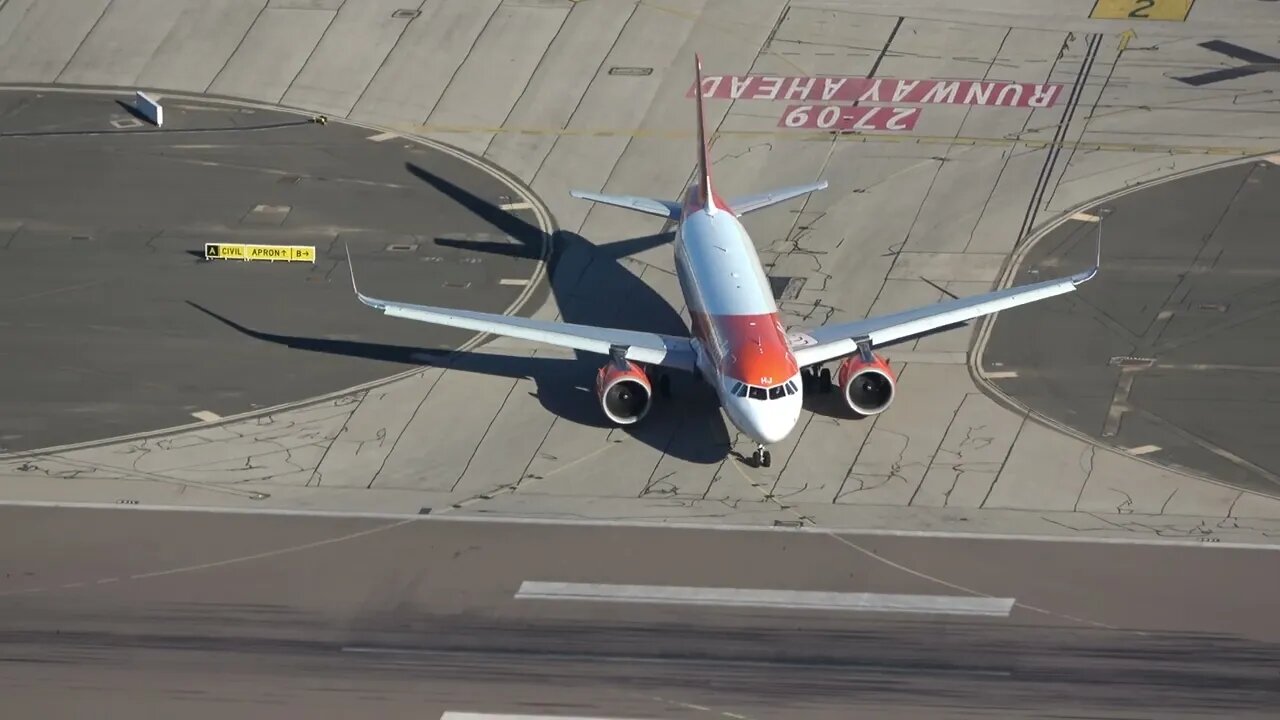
(741, 344)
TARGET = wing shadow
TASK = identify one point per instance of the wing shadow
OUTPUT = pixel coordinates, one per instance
(562, 387)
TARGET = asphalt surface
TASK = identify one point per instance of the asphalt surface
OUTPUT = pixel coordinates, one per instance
(1172, 348)
(217, 614)
(112, 322)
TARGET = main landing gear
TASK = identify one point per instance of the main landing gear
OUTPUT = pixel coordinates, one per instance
(761, 457)
(816, 380)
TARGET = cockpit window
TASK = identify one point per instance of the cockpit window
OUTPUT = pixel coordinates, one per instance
(754, 392)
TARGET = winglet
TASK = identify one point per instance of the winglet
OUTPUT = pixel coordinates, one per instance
(1084, 277)
(371, 302)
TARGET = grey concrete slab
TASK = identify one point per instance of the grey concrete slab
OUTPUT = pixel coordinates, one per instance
(370, 433)
(272, 53)
(439, 39)
(652, 38)
(198, 45)
(572, 61)
(255, 598)
(496, 72)
(12, 12)
(645, 166)
(136, 249)
(971, 455)
(103, 60)
(41, 43)
(1185, 286)
(353, 48)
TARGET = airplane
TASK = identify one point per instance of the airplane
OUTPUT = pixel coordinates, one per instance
(737, 344)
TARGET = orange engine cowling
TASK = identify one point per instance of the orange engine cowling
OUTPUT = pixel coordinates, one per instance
(624, 392)
(868, 387)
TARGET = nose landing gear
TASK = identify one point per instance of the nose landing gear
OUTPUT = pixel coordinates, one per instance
(761, 457)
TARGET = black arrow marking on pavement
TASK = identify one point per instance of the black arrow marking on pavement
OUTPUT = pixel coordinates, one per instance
(1258, 63)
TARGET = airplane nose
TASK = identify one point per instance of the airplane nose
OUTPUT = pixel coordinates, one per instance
(772, 422)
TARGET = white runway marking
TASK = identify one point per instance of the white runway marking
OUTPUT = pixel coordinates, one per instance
(1143, 449)
(788, 599)
(513, 281)
(998, 374)
(516, 206)
(380, 137)
(206, 416)
(1085, 217)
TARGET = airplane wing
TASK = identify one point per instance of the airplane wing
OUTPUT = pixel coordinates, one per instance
(644, 347)
(661, 208)
(748, 203)
(833, 341)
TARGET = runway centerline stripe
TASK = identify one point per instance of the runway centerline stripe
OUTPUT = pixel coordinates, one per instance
(784, 599)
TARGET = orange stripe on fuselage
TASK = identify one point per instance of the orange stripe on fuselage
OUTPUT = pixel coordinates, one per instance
(749, 348)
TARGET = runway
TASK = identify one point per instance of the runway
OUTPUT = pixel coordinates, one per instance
(211, 614)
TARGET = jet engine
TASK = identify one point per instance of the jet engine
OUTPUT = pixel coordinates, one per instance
(624, 391)
(868, 386)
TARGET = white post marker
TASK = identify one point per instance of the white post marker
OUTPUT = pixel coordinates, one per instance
(149, 108)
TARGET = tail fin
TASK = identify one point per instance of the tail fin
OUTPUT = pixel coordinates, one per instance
(704, 162)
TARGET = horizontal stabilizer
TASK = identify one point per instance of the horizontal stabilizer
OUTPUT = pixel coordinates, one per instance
(748, 203)
(661, 208)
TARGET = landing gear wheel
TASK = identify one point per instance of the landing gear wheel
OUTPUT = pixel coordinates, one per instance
(824, 381)
(761, 458)
(806, 380)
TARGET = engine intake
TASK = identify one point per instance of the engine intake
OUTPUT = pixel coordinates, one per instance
(624, 391)
(868, 387)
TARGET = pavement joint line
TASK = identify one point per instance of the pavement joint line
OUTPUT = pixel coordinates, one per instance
(545, 220)
(442, 516)
(764, 598)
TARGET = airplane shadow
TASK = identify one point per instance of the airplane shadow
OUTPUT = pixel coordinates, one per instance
(592, 287)
(555, 378)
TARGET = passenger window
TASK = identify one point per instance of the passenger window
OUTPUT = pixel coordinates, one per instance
(776, 392)
(757, 393)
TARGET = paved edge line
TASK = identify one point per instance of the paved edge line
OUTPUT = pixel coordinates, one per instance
(763, 598)
(546, 221)
(648, 524)
(1012, 265)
